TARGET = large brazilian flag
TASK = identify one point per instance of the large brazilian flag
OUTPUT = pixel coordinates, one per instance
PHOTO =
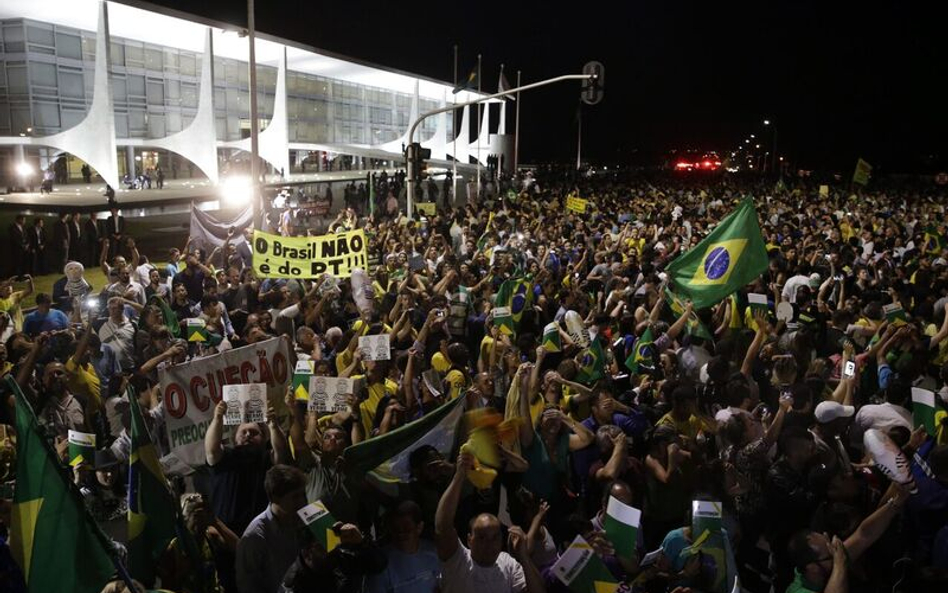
(730, 257)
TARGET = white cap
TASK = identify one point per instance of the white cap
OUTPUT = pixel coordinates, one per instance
(829, 411)
(815, 280)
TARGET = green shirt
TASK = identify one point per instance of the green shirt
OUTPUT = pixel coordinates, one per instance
(797, 586)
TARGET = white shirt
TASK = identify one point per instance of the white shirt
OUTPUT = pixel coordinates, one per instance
(460, 574)
(791, 286)
(881, 417)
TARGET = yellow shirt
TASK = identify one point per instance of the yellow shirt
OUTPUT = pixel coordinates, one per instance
(83, 381)
(457, 382)
(11, 305)
(440, 363)
(368, 407)
(689, 428)
(361, 328)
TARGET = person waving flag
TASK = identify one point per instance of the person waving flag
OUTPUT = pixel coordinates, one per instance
(730, 257)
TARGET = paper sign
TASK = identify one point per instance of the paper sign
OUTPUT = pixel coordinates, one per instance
(757, 301)
(301, 375)
(245, 403)
(375, 347)
(706, 516)
(197, 330)
(894, 313)
(317, 518)
(824, 191)
(327, 395)
(81, 448)
(427, 208)
(576, 205)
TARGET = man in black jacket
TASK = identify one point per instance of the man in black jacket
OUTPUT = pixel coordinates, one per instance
(90, 241)
(19, 247)
(338, 571)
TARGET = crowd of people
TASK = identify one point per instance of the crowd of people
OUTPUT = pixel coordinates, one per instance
(650, 402)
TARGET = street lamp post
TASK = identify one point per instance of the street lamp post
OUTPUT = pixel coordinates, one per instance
(773, 127)
(410, 153)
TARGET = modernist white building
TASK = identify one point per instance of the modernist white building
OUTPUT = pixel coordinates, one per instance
(115, 85)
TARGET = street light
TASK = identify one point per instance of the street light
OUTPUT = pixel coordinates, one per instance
(766, 122)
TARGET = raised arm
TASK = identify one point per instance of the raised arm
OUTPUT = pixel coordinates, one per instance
(680, 323)
(213, 450)
(446, 537)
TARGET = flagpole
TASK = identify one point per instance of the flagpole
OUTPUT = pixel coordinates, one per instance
(517, 128)
(454, 125)
(579, 135)
(478, 196)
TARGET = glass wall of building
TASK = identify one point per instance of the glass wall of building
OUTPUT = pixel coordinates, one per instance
(47, 71)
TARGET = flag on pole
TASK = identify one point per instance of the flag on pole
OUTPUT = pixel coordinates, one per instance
(503, 85)
(642, 353)
(152, 510)
(470, 82)
(55, 542)
(371, 184)
(727, 259)
(583, 571)
(622, 527)
(862, 173)
(923, 409)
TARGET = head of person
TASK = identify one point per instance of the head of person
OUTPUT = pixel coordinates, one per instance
(684, 401)
(619, 490)
(551, 420)
(249, 434)
(306, 338)
(6, 289)
(811, 556)
(484, 382)
(429, 467)
(116, 308)
(796, 445)
(43, 303)
(180, 292)
(334, 441)
(603, 405)
(54, 379)
(405, 524)
(485, 540)
(195, 511)
(285, 488)
(834, 418)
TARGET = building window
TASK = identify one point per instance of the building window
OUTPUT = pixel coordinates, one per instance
(68, 46)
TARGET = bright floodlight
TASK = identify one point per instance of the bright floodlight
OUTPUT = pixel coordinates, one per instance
(236, 191)
(24, 169)
(766, 122)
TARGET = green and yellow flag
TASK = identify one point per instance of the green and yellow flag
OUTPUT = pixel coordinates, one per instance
(57, 545)
(152, 511)
(727, 259)
(592, 363)
(513, 298)
(551, 337)
(642, 353)
(170, 319)
(862, 173)
(694, 326)
(317, 518)
(934, 241)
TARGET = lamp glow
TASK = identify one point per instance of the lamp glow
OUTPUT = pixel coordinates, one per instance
(24, 169)
(236, 190)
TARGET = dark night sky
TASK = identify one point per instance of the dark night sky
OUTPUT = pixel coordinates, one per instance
(839, 82)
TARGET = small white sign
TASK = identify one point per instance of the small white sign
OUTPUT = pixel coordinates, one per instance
(375, 347)
(245, 403)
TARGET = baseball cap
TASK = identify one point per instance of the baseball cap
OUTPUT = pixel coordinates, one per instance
(829, 411)
(815, 280)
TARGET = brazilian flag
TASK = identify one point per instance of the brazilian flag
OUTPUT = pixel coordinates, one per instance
(170, 319)
(551, 337)
(727, 259)
(513, 298)
(934, 241)
(592, 363)
(694, 326)
(643, 353)
(482, 240)
(55, 542)
(469, 82)
(153, 518)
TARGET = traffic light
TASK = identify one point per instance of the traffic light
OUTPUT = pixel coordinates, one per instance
(418, 157)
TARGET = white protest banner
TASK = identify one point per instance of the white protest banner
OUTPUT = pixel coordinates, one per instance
(245, 403)
(328, 394)
(375, 347)
(190, 391)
